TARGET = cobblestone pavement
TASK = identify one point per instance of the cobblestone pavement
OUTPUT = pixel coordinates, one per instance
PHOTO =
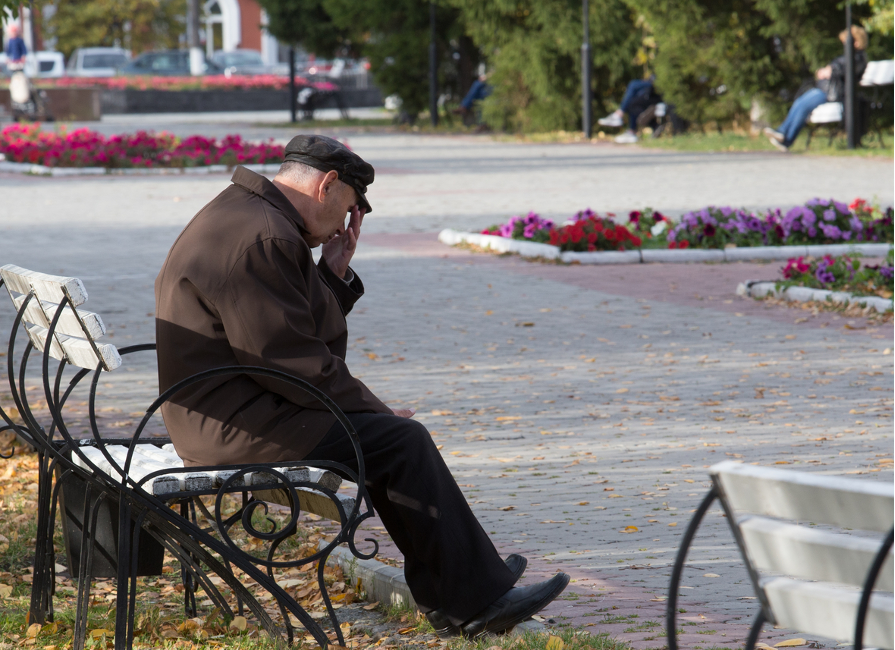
(571, 402)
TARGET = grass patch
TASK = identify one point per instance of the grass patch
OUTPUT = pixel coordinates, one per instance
(727, 142)
(565, 639)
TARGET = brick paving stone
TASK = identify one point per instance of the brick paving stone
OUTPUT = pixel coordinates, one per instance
(571, 402)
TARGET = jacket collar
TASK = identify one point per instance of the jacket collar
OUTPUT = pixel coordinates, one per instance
(257, 184)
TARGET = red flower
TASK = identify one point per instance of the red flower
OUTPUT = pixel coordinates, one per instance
(592, 238)
(684, 244)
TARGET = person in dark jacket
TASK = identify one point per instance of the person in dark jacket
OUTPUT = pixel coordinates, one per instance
(240, 287)
(829, 86)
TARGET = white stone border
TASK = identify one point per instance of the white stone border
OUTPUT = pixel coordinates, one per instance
(646, 255)
(762, 289)
(43, 170)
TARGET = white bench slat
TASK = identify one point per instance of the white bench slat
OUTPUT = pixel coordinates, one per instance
(159, 486)
(799, 496)
(46, 287)
(815, 608)
(812, 554)
(41, 314)
(310, 501)
(879, 73)
(77, 352)
(827, 113)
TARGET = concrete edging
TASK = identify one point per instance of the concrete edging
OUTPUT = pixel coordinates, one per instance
(647, 255)
(386, 584)
(762, 289)
(43, 170)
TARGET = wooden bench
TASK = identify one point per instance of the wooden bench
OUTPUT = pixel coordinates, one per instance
(145, 480)
(810, 571)
(876, 82)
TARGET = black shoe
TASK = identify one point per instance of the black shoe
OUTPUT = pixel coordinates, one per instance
(438, 620)
(515, 606)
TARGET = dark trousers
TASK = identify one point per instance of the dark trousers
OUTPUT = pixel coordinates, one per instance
(449, 561)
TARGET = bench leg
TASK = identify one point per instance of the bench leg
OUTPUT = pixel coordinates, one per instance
(42, 587)
(671, 611)
(85, 570)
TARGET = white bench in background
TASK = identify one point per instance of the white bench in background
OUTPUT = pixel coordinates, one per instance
(798, 535)
(831, 114)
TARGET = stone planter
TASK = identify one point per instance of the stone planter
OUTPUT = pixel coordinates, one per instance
(67, 104)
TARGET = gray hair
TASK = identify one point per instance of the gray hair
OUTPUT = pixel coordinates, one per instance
(298, 173)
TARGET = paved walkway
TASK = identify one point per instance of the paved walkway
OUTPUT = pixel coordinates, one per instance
(571, 402)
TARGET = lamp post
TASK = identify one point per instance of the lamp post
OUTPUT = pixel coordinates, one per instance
(292, 108)
(433, 68)
(850, 124)
(192, 37)
(586, 116)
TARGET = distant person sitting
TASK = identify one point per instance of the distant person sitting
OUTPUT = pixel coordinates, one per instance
(15, 47)
(829, 86)
(634, 102)
(479, 90)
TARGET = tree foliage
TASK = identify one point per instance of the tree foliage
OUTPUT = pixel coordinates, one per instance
(394, 35)
(136, 25)
(305, 23)
(533, 50)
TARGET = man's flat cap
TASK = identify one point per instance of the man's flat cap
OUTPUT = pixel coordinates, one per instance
(326, 154)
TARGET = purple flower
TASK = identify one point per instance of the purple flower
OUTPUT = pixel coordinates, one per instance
(830, 215)
(843, 209)
(529, 231)
(830, 231)
(812, 231)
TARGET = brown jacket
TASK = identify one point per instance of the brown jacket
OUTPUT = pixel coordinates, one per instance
(239, 287)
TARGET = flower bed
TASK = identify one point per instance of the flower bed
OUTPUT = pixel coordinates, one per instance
(818, 222)
(86, 148)
(841, 273)
(209, 82)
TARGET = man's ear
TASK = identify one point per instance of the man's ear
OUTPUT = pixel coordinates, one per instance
(327, 185)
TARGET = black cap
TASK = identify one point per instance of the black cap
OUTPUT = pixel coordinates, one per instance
(326, 154)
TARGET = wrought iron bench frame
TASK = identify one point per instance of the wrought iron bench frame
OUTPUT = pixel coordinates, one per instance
(178, 531)
(766, 614)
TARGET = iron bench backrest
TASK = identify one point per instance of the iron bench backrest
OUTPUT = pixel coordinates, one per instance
(808, 579)
(77, 333)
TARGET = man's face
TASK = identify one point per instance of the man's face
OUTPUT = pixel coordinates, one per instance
(336, 207)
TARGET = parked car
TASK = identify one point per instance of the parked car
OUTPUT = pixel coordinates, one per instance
(247, 62)
(167, 63)
(97, 61)
(48, 64)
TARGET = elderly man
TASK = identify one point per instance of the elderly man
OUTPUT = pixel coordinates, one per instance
(239, 287)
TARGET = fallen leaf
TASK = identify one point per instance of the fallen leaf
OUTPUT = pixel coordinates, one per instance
(5, 591)
(372, 355)
(239, 623)
(584, 503)
(710, 575)
(33, 630)
(555, 643)
(505, 418)
(622, 390)
(629, 529)
(789, 643)
(405, 630)
(673, 523)
(507, 508)
(371, 606)
(97, 633)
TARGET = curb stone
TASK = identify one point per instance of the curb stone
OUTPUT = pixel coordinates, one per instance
(648, 255)
(761, 289)
(386, 584)
(42, 170)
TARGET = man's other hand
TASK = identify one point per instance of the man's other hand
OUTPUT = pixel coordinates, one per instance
(339, 250)
(404, 413)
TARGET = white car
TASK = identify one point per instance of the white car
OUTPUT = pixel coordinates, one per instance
(97, 61)
(48, 64)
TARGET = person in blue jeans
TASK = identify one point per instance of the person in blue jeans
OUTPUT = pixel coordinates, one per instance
(829, 86)
(636, 89)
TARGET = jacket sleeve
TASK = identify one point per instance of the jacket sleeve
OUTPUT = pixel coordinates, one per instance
(267, 318)
(347, 293)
